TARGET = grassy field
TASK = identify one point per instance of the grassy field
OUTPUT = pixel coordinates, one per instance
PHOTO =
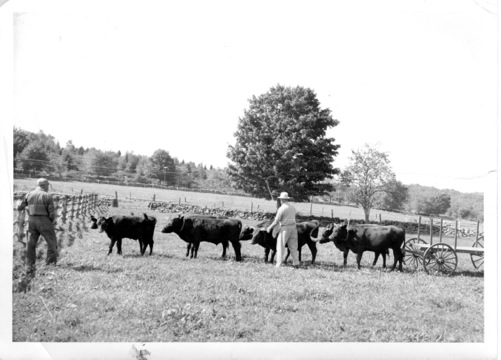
(166, 297)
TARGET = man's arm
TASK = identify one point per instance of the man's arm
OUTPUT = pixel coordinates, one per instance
(277, 219)
(51, 209)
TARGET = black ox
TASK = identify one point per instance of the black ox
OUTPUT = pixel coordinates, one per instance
(327, 236)
(269, 242)
(195, 228)
(118, 227)
(366, 237)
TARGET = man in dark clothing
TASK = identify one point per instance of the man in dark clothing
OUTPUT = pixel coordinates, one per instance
(42, 214)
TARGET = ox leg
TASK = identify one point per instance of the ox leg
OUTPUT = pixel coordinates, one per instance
(376, 253)
(142, 246)
(225, 245)
(398, 256)
(313, 249)
(266, 254)
(188, 248)
(119, 246)
(359, 258)
(345, 257)
(112, 243)
(194, 250)
(151, 246)
(384, 260)
(236, 248)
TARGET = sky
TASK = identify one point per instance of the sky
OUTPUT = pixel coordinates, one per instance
(417, 79)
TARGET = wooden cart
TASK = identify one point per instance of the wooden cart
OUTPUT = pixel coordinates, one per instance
(441, 257)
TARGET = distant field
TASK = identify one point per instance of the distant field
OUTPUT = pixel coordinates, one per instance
(219, 201)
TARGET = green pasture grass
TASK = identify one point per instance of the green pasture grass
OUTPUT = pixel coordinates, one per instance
(167, 297)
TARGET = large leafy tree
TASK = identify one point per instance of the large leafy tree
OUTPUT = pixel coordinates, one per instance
(281, 145)
(368, 175)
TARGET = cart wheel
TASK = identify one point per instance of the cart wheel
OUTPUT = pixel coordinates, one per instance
(477, 259)
(413, 255)
(440, 258)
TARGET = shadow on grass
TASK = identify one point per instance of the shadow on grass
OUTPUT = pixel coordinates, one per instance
(469, 273)
(90, 267)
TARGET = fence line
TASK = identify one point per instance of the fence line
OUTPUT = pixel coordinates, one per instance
(78, 208)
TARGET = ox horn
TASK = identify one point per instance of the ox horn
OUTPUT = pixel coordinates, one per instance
(319, 236)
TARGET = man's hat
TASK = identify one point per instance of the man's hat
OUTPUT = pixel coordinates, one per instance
(284, 196)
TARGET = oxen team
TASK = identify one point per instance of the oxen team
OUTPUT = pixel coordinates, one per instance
(194, 229)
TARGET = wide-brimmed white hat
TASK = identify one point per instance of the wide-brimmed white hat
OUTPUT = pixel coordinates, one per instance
(284, 195)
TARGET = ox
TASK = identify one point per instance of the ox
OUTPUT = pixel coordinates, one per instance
(190, 247)
(269, 240)
(360, 238)
(196, 228)
(118, 227)
(328, 236)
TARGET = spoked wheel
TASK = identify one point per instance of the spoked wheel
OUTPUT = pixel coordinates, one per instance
(413, 254)
(478, 258)
(440, 258)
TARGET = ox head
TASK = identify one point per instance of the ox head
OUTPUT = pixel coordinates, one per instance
(94, 222)
(259, 236)
(101, 224)
(246, 233)
(325, 236)
(174, 224)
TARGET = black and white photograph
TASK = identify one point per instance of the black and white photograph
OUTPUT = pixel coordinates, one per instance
(249, 179)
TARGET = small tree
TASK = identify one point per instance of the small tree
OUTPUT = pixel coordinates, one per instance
(34, 157)
(162, 166)
(437, 204)
(394, 198)
(368, 174)
(104, 164)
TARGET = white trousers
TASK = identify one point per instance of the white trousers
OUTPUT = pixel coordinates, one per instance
(287, 236)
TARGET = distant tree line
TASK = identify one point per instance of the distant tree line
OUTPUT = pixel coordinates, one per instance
(40, 154)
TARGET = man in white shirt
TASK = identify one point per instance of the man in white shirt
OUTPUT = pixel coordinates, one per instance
(286, 220)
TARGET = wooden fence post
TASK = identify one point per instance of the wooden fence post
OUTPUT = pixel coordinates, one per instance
(478, 230)
(441, 225)
(20, 219)
(419, 226)
(79, 206)
(115, 201)
(311, 204)
(431, 230)
(456, 234)
(72, 213)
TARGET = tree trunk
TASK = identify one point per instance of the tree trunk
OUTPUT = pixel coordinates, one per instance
(269, 190)
(367, 211)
